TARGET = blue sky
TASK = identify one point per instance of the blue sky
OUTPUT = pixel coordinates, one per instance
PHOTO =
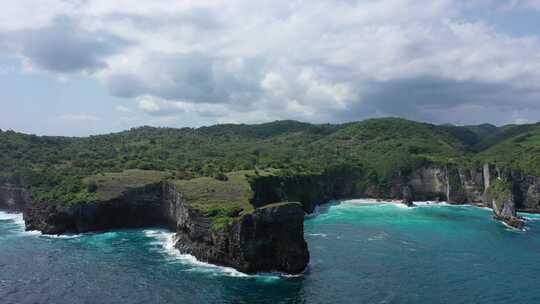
(80, 67)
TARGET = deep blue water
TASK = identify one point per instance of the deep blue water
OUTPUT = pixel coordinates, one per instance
(359, 254)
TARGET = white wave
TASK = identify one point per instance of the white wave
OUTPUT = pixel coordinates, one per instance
(13, 217)
(61, 236)
(395, 203)
(379, 236)
(365, 201)
(316, 212)
(166, 240)
(400, 205)
(513, 229)
(432, 203)
(18, 220)
(318, 234)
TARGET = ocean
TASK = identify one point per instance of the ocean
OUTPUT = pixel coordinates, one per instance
(361, 252)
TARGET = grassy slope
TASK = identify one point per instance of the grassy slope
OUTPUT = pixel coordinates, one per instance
(207, 194)
(220, 200)
(111, 185)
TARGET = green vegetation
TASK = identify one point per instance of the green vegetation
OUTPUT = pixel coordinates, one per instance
(220, 200)
(500, 191)
(206, 161)
(517, 147)
(210, 195)
(111, 185)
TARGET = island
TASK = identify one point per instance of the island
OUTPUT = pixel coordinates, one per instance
(236, 195)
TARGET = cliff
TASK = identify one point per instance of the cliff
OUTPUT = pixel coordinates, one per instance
(502, 200)
(269, 238)
(434, 182)
(136, 207)
(13, 198)
(244, 225)
(451, 183)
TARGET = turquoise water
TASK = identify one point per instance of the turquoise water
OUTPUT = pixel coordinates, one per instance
(378, 253)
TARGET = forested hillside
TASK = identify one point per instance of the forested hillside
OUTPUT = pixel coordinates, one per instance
(55, 168)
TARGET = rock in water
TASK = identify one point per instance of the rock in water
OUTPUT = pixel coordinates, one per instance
(501, 197)
(269, 239)
(407, 196)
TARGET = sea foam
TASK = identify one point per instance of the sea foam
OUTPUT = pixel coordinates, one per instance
(165, 241)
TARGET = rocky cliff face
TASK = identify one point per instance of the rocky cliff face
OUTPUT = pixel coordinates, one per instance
(14, 198)
(500, 195)
(437, 183)
(526, 189)
(137, 207)
(271, 238)
(449, 183)
(456, 185)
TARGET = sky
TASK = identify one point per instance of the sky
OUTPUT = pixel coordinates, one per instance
(81, 67)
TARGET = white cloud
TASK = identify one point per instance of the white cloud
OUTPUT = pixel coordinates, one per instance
(316, 60)
(122, 109)
(520, 4)
(79, 117)
(521, 121)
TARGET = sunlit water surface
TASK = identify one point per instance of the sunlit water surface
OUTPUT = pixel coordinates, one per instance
(360, 253)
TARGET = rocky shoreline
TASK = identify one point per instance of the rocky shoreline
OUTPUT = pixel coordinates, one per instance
(270, 238)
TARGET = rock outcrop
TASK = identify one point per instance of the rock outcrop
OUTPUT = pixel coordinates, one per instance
(271, 238)
(407, 196)
(446, 183)
(13, 198)
(500, 194)
(450, 183)
(136, 207)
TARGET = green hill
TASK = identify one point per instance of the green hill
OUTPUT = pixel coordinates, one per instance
(61, 168)
(515, 146)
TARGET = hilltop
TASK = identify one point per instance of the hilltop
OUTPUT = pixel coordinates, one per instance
(63, 168)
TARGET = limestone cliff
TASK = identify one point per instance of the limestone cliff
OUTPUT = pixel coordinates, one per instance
(501, 197)
(13, 198)
(136, 207)
(270, 238)
(451, 183)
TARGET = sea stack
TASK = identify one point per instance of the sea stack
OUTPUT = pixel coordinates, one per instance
(499, 194)
(407, 195)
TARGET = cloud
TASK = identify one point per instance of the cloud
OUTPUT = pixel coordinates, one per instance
(162, 107)
(79, 117)
(63, 46)
(316, 61)
(520, 4)
(122, 109)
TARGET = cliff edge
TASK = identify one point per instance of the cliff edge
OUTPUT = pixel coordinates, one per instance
(268, 238)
